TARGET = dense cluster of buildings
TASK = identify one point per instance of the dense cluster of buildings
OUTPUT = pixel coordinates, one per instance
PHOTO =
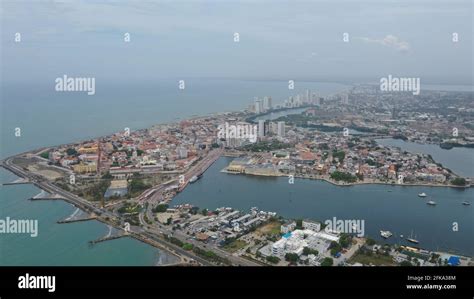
(221, 224)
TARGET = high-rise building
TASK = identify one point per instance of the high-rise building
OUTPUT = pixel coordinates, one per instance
(267, 103)
(308, 95)
(281, 129)
(345, 99)
(261, 128)
(298, 100)
(258, 106)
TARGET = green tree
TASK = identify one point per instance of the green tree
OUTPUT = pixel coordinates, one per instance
(459, 181)
(273, 259)
(161, 208)
(292, 257)
(370, 242)
(188, 246)
(71, 152)
(327, 262)
(45, 155)
(308, 251)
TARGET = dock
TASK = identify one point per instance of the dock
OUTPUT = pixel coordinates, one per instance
(78, 216)
(43, 195)
(18, 181)
(103, 239)
(112, 235)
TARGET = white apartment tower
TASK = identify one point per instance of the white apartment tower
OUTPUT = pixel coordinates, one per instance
(281, 129)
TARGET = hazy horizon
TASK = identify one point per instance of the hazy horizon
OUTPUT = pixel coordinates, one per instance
(278, 40)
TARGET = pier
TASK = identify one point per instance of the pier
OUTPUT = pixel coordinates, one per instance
(112, 235)
(18, 181)
(43, 195)
(78, 216)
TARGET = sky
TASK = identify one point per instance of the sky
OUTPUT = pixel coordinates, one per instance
(279, 40)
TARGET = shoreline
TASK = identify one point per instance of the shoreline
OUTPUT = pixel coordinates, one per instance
(335, 183)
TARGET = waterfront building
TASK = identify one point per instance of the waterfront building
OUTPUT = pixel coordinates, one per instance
(311, 225)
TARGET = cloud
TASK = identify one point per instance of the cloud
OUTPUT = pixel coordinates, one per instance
(391, 41)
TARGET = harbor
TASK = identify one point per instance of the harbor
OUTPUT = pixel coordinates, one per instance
(399, 212)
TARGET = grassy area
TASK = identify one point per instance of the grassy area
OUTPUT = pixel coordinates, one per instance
(271, 228)
(235, 245)
(374, 259)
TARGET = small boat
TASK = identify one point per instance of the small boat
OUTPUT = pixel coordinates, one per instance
(195, 178)
(401, 236)
(385, 234)
(466, 203)
(422, 194)
(431, 203)
(412, 239)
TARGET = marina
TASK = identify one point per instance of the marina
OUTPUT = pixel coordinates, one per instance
(394, 211)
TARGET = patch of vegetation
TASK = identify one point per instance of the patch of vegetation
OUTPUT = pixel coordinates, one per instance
(343, 176)
(45, 155)
(308, 251)
(266, 146)
(340, 155)
(459, 182)
(367, 257)
(273, 259)
(161, 208)
(292, 258)
(327, 262)
(96, 191)
(71, 152)
(188, 246)
(137, 186)
(129, 208)
(211, 256)
(234, 245)
(270, 228)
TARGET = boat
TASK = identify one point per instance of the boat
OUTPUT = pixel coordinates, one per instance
(466, 203)
(385, 234)
(412, 240)
(195, 178)
(431, 203)
(422, 194)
